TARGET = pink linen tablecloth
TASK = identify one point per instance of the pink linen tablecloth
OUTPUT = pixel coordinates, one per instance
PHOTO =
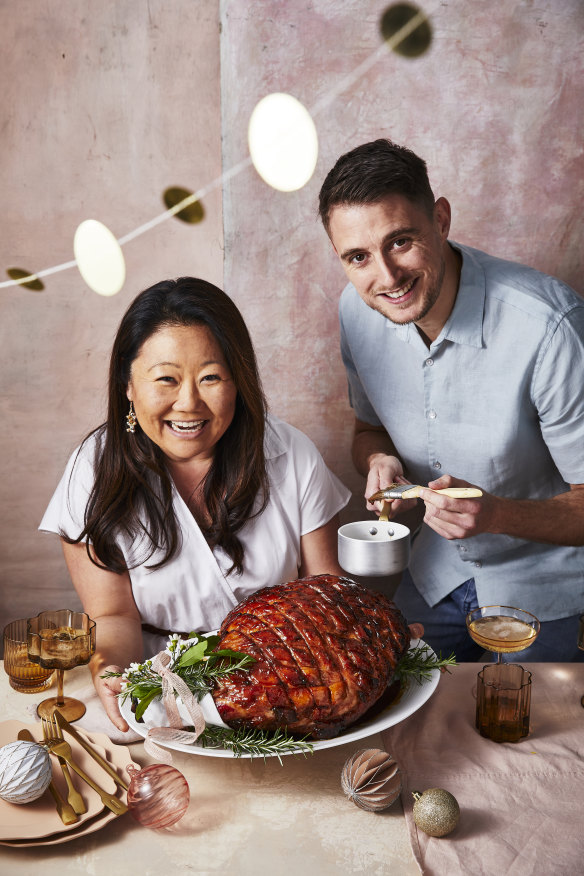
(521, 803)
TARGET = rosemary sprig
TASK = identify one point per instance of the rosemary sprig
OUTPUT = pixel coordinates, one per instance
(419, 663)
(200, 677)
(262, 743)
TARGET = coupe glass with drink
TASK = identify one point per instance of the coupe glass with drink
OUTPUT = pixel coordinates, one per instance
(503, 689)
(61, 640)
(502, 629)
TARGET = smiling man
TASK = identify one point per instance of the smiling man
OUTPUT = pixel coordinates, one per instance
(463, 369)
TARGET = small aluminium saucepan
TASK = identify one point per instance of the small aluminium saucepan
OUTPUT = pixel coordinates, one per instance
(373, 547)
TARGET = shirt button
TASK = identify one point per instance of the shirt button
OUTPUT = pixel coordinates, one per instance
(436, 464)
(477, 564)
(429, 362)
(432, 415)
(462, 548)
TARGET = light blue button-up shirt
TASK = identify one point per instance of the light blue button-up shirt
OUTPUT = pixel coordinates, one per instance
(496, 400)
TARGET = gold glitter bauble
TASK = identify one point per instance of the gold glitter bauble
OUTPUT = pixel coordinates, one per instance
(436, 811)
(371, 779)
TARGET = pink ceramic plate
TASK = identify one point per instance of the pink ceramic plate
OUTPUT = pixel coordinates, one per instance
(38, 823)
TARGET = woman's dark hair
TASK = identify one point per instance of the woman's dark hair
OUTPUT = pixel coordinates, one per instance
(369, 173)
(132, 493)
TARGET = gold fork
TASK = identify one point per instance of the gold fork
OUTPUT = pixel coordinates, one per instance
(65, 810)
(74, 798)
(60, 748)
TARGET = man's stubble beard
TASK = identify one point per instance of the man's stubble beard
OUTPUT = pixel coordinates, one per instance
(431, 299)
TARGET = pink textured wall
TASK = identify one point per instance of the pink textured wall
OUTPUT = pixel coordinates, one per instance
(104, 105)
(494, 106)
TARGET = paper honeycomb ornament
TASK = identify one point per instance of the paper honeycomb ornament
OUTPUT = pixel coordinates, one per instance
(371, 779)
(25, 771)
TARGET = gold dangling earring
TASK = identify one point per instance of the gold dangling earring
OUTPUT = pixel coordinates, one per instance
(131, 419)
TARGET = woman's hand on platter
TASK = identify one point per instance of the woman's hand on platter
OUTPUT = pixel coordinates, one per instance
(416, 631)
(107, 598)
(107, 690)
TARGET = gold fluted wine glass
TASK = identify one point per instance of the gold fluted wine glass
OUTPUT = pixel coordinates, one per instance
(502, 629)
(61, 640)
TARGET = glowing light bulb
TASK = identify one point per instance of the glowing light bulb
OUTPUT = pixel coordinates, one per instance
(99, 258)
(283, 143)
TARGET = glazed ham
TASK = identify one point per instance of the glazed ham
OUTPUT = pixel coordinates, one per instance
(326, 650)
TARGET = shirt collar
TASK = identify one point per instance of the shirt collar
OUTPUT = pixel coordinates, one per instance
(273, 444)
(465, 323)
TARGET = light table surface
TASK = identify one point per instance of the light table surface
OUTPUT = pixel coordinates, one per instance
(245, 817)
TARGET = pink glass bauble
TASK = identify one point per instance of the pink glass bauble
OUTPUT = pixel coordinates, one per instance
(158, 795)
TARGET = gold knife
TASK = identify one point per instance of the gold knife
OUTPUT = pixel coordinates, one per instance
(61, 748)
(64, 809)
(64, 725)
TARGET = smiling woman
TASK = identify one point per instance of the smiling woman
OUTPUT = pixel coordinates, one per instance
(183, 392)
(172, 512)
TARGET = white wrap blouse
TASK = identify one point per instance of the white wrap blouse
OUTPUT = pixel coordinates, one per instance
(193, 590)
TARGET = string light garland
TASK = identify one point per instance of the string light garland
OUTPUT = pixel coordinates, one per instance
(418, 22)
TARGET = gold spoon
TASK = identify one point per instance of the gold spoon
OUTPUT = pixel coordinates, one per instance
(65, 810)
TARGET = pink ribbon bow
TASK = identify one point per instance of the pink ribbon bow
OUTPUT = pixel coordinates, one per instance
(171, 682)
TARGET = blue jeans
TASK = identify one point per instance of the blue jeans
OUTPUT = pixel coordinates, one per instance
(445, 627)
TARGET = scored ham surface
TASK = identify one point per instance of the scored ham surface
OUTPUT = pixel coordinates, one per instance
(326, 650)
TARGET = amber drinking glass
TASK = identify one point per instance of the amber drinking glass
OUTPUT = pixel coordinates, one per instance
(503, 702)
(61, 640)
(23, 675)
